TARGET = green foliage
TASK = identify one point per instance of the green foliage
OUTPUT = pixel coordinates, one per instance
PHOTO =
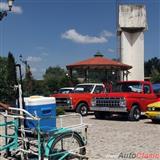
(4, 92)
(55, 78)
(152, 69)
(60, 111)
(155, 76)
(11, 77)
(54, 73)
(11, 70)
(7, 79)
(28, 82)
(39, 88)
(150, 65)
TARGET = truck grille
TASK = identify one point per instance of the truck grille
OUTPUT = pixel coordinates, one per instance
(62, 101)
(108, 102)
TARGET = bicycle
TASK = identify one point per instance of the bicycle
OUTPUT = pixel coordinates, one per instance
(56, 144)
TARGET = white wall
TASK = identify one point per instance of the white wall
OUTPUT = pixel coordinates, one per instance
(132, 53)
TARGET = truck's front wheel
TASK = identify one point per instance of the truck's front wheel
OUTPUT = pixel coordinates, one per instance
(82, 108)
(134, 114)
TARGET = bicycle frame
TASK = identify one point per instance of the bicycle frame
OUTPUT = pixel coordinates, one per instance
(42, 144)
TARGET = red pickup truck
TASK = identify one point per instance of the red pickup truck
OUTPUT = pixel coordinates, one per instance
(79, 99)
(129, 98)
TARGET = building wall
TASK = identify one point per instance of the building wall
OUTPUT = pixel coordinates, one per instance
(132, 53)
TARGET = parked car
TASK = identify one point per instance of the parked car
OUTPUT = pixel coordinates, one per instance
(153, 111)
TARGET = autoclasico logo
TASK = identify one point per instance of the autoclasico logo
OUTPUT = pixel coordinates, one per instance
(139, 155)
(130, 155)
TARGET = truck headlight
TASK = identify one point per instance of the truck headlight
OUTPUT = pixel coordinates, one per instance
(93, 102)
(122, 102)
(69, 101)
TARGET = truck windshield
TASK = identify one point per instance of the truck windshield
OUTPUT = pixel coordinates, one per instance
(128, 87)
(83, 88)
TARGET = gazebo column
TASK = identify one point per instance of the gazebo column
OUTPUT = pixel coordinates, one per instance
(118, 74)
(70, 73)
(106, 74)
(127, 73)
(86, 74)
(123, 75)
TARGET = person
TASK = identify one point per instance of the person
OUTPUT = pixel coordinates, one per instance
(4, 106)
(108, 85)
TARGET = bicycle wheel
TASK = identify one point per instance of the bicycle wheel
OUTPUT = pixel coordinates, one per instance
(67, 145)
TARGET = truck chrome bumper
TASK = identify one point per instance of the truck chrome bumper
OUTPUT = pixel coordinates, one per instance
(109, 109)
(66, 107)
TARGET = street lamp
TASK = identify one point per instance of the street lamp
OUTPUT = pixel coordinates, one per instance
(4, 13)
(10, 4)
(24, 62)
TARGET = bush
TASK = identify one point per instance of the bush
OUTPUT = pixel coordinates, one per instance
(60, 111)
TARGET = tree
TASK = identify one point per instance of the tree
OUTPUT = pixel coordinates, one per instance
(11, 77)
(28, 82)
(55, 78)
(3, 80)
(52, 77)
(54, 73)
(39, 88)
(150, 65)
(152, 69)
(155, 76)
(11, 69)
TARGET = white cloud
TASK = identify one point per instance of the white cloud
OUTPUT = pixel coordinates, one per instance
(107, 34)
(111, 50)
(15, 9)
(74, 36)
(34, 59)
(33, 69)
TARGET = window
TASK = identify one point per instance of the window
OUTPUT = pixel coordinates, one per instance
(147, 89)
(99, 89)
(128, 87)
(83, 88)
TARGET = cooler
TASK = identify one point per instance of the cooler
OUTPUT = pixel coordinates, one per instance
(43, 107)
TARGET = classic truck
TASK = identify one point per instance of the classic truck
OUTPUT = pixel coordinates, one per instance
(128, 98)
(79, 99)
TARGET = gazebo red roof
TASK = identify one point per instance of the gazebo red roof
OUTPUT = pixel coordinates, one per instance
(98, 63)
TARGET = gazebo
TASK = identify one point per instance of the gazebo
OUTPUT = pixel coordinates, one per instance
(100, 63)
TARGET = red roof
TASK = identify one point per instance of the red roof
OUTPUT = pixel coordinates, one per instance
(98, 63)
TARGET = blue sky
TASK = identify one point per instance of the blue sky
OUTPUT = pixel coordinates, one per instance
(55, 32)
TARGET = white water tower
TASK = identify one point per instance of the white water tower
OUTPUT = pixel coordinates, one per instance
(132, 23)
